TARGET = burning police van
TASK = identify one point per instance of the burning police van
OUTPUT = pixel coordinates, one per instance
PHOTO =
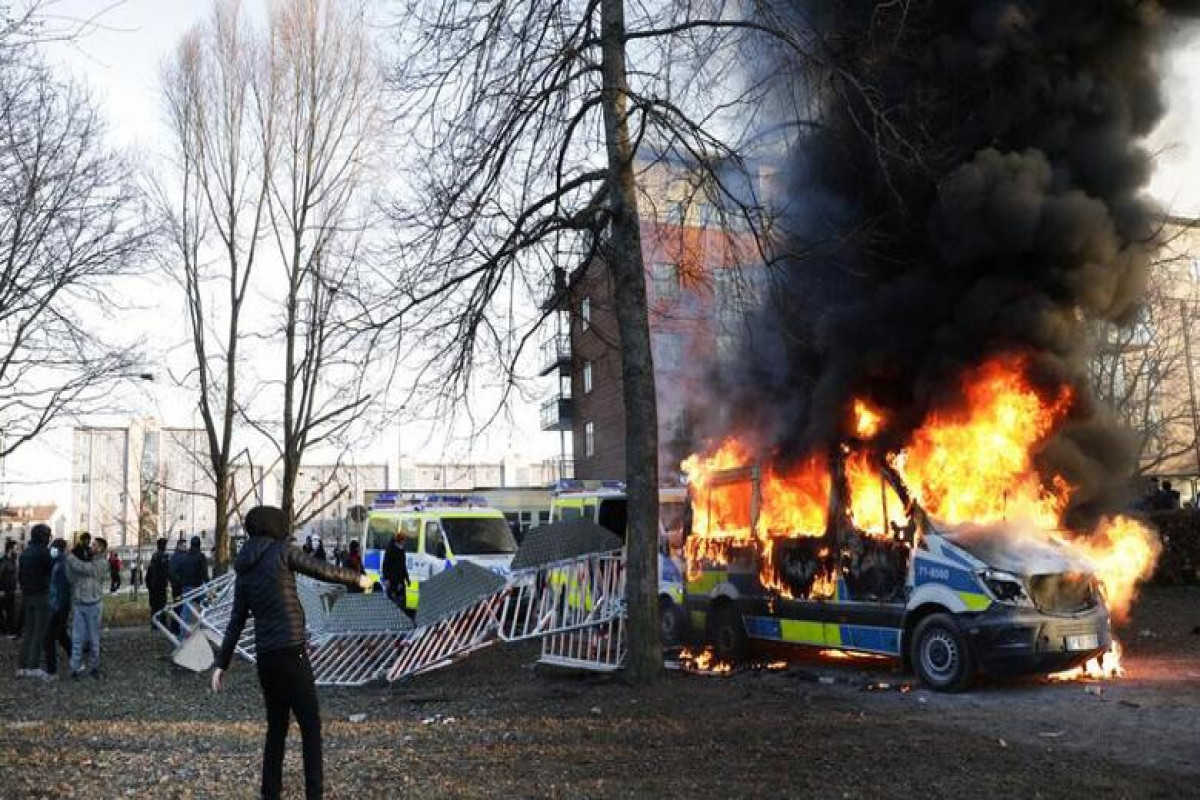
(876, 574)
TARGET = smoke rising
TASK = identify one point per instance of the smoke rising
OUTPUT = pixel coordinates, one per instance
(974, 185)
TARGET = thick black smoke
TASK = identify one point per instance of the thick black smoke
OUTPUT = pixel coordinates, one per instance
(974, 185)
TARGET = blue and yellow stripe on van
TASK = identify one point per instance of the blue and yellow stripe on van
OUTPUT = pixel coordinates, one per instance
(960, 581)
(867, 638)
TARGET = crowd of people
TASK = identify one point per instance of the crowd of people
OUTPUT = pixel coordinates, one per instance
(61, 592)
(61, 595)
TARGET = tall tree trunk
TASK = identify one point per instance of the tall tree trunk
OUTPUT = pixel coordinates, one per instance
(637, 367)
(221, 524)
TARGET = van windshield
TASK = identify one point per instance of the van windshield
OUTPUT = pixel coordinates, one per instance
(479, 536)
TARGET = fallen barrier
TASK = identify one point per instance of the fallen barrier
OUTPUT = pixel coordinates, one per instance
(566, 587)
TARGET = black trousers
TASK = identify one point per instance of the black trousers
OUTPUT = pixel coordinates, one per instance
(158, 601)
(57, 635)
(8, 613)
(288, 689)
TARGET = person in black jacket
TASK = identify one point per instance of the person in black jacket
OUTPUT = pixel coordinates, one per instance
(395, 572)
(158, 578)
(60, 607)
(8, 590)
(266, 589)
(33, 573)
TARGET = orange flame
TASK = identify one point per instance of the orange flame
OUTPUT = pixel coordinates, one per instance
(1105, 666)
(868, 421)
(972, 462)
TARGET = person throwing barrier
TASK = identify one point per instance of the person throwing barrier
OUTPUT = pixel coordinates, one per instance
(266, 588)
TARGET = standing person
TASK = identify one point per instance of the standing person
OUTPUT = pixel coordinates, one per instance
(173, 572)
(354, 561)
(158, 578)
(319, 554)
(86, 568)
(114, 572)
(308, 548)
(266, 590)
(8, 590)
(395, 572)
(192, 572)
(60, 607)
(34, 578)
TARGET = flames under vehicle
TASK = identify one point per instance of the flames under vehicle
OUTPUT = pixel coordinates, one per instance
(948, 600)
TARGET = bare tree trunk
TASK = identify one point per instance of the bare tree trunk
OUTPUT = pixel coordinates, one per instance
(637, 366)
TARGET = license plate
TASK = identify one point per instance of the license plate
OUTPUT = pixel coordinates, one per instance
(1088, 641)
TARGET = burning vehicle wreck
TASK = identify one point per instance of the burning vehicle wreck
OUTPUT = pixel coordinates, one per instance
(953, 559)
(917, 592)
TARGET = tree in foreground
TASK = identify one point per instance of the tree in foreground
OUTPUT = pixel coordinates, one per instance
(525, 123)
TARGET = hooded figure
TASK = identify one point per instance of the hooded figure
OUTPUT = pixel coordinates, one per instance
(34, 576)
(266, 589)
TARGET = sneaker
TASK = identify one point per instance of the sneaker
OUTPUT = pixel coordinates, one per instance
(77, 675)
(95, 673)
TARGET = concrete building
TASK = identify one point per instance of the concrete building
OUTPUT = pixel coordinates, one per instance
(17, 521)
(132, 484)
(325, 493)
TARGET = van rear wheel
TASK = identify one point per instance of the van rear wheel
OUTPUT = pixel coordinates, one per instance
(727, 633)
(672, 622)
(939, 654)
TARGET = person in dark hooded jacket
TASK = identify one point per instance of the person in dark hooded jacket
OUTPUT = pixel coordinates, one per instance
(266, 589)
(34, 576)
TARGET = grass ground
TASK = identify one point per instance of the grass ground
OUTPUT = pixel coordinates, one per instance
(126, 611)
(494, 726)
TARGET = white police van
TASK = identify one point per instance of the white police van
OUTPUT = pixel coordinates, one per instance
(440, 530)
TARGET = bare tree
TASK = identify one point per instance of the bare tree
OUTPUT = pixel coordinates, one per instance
(70, 222)
(222, 137)
(321, 78)
(1140, 371)
(528, 121)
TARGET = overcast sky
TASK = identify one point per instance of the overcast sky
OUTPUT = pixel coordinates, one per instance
(120, 61)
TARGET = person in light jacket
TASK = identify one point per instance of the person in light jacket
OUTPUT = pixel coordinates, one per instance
(87, 570)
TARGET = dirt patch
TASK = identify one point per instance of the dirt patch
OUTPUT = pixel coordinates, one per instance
(495, 726)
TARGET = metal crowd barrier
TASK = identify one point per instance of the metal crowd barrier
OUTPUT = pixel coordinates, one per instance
(599, 648)
(352, 638)
(456, 617)
(566, 587)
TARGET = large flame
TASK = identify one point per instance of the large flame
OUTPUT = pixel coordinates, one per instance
(971, 462)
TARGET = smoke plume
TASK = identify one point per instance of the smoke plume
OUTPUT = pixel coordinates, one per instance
(973, 185)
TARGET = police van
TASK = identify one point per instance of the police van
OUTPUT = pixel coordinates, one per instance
(947, 600)
(607, 506)
(440, 530)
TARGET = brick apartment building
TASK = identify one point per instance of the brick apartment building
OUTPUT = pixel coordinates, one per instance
(700, 273)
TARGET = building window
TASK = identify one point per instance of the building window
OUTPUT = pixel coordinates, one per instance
(676, 213)
(668, 351)
(665, 279)
(585, 313)
(589, 440)
(587, 377)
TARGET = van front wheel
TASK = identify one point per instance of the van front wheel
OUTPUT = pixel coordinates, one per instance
(939, 654)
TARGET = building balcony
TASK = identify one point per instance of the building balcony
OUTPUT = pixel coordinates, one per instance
(556, 355)
(557, 414)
